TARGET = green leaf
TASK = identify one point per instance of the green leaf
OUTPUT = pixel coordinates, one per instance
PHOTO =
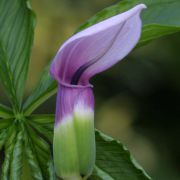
(17, 158)
(51, 171)
(41, 130)
(6, 133)
(98, 174)
(3, 136)
(9, 146)
(42, 150)
(46, 121)
(5, 123)
(114, 161)
(32, 159)
(5, 112)
(16, 36)
(43, 125)
(159, 19)
(151, 32)
(7, 78)
(39, 143)
(45, 89)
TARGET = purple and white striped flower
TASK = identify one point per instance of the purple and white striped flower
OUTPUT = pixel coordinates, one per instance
(85, 54)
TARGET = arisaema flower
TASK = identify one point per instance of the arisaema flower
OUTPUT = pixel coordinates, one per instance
(85, 54)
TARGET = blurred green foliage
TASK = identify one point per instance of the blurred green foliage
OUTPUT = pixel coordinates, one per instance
(138, 100)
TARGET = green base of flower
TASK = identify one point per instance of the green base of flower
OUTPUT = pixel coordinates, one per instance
(86, 143)
(74, 148)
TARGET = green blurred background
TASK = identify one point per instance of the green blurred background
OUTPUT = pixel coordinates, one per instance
(137, 101)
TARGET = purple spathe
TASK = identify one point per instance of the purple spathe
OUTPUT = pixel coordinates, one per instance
(97, 48)
(91, 51)
(69, 97)
(85, 54)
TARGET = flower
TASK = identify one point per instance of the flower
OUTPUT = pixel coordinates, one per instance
(85, 54)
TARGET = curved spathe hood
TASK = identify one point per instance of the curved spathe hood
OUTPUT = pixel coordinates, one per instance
(97, 48)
